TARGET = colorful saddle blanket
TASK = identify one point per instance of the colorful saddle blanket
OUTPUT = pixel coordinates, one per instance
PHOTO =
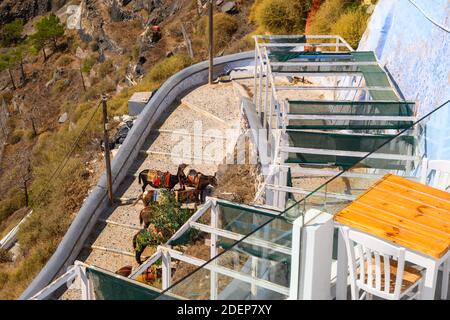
(159, 179)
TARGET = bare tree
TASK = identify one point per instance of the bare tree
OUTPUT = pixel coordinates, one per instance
(25, 176)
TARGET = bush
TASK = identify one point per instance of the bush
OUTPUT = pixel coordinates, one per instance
(351, 26)
(89, 62)
(105, 68)
(5, 256)
(64, 60)
(327, 14)
(96, 91)
(94, 46)
(13, 202)
(167, 67)
(15, 136)
(280, 16)
(168, 216)
(59, 86)
(225, 26)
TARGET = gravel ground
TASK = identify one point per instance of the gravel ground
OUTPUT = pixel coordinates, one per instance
(222, 102)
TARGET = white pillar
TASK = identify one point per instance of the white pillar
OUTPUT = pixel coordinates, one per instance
(86, 293)
(213, 252)
(166, 269)
(342, 269)
(312, 249)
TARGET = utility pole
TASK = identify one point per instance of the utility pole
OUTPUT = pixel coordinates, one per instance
(82, 79)
(107, 151)
(211, 41)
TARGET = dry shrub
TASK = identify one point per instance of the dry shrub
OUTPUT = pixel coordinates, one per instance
(5, 256)
(89, 62)
(16, 136)
(328, 13)
(59, 86)
(13, 202)
(105, 68)
(64, 60)
(244, 44)
(351, 26)
(280, 16)
(168, 67)
(225, 26)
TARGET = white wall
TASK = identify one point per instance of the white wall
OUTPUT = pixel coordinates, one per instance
(416, 53)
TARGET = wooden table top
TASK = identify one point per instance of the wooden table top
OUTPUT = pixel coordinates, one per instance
(408, 213)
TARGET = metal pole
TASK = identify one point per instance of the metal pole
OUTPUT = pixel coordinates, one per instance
(211, 41)
(107, 151)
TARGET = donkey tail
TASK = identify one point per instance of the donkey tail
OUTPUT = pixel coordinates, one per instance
(140, 176)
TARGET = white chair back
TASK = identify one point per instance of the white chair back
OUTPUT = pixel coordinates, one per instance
(370, 261)
(436, 173)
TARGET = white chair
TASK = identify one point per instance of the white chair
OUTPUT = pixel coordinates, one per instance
(378, 268)
(436, 173)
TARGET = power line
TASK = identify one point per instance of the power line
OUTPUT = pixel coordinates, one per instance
(66, 158)
(428, 17)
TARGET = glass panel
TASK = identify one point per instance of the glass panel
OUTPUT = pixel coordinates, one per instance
(259, 265)
(108, 286)
(350, 109)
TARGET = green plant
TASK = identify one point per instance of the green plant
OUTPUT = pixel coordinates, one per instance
(280, 16)
(11, 33)
(50, 28)
(167, 216)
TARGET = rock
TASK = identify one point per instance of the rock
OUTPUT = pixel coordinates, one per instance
(229, 7)
(80, 53)
(72, 126)
(57, 74)
(119, 88)
(74, 17)
(224, 78)
(27, 9)
(63, 118)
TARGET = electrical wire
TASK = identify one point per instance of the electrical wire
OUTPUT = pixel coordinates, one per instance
(428, 17)
(67, 157)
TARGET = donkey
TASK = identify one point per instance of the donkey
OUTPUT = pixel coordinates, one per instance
(158, 179)
(147, 197)
(145, 216)
(200, 181)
